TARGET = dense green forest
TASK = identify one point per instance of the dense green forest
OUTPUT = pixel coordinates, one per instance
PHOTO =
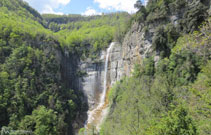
(34, 95)
(173, 96)
(93, 34)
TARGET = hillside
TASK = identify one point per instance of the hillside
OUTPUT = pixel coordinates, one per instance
(165, 59)
(37, 93)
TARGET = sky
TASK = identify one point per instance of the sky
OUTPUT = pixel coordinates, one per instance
(84, 7)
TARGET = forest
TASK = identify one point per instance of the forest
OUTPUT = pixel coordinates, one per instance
(33, 94)
(168, 97)
(172, 96)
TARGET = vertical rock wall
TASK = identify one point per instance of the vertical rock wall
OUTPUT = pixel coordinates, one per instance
(92, 83)
(136, 46)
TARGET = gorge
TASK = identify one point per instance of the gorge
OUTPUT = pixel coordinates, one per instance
(98, 113)
(146, 73)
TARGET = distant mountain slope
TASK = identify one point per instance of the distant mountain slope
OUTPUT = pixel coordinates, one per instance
(21, 8)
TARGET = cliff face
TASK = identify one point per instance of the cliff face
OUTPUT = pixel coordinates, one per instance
(115, 70)
(138, 42)
(136, 46)
(92, 83)
(69, 66)
(210, 11)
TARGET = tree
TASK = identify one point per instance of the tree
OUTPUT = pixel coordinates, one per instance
(178, 122)
(43, 121)
(138, 4)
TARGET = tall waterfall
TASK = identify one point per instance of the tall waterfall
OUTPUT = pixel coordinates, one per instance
(96, 116)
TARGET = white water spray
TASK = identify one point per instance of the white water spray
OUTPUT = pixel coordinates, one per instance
(99, 107)
(102, 100)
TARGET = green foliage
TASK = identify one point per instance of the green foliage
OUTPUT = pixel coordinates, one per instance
(34, 95)
(30, 74)
(199, 40)
(164, 39)
(93, 33)
(65, 19)
(149, 68)
(41, 122)
(171, 98)
(138, 4)
(127, 117)
(159, 39)
(194, 17)
(177, 5)
(54, 27)
(141, 15)
(177, 122)
(200, 100)
(158, 11)
(21, 8)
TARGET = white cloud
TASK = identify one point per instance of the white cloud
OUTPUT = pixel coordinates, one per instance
(124, 5)
(47, 6)
(64, 2)
(145, 2)
(49, 9)
(90, 11)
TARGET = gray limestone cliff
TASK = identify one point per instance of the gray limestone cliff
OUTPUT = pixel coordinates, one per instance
(138, 41)
(136, 46)
(92, 82)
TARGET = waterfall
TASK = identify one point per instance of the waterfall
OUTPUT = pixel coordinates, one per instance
(96, 116)
(102, 99)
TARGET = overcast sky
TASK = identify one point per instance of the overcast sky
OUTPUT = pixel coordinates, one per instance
(85, 7)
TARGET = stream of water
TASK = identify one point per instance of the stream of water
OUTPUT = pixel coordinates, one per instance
(96, 115)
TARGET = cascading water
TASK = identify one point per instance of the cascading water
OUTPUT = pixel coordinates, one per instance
(96, 116)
